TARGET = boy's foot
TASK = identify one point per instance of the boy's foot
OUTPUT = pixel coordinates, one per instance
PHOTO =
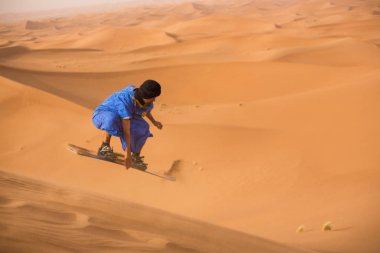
(106, 152)
(138, 161)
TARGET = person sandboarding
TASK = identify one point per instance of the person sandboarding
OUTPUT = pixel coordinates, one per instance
(122, 115)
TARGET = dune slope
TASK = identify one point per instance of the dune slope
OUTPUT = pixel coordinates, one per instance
(37, 216)
(270, 113)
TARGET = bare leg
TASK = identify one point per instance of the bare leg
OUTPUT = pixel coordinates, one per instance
(105, 151)
(107, 138)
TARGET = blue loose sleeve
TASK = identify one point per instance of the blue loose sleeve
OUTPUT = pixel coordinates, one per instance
(124, 106)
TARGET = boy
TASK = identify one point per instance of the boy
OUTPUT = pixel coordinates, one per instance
(122, 115)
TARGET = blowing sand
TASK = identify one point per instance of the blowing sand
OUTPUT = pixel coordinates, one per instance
(270, 110)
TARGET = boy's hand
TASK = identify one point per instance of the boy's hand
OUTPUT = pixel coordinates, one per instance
(128, 162)
(158, 124)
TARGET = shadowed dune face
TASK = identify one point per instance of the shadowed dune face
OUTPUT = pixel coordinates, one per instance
(37, 217)
(270, 113)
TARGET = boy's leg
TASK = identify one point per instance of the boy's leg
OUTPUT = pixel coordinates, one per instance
(105, 149)
(139, 134)
(107, 137)
(109, 122)
(139, 151)
(136, 156)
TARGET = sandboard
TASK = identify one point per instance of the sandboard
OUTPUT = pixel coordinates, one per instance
(120, 160)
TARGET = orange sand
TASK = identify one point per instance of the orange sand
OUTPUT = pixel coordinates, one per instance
(271, 107)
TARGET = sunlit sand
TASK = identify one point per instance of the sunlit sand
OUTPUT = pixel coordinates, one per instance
(270, 112)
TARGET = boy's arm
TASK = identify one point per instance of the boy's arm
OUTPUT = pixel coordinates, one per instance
(154, 122)
(150, 117)
(127, 135)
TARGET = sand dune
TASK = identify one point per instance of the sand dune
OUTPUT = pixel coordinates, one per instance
(85, 222)
(270, 112)
(347, 52)
(32, 25)
(123, 39)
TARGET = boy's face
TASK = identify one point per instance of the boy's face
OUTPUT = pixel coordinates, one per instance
(148, 101)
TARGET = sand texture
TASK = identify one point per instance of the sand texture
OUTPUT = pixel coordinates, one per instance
(271, 127)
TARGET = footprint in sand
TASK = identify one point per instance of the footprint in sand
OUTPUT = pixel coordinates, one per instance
(11, 203)
(61, 218)
(4, 43)
(328, 226)
(197, 166)
(163, 107)
(61, 66)
(303, 229)
(81, 220)
(153, 240)
(69, 219)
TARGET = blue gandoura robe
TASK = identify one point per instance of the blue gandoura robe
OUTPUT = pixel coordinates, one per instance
(123, 105)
